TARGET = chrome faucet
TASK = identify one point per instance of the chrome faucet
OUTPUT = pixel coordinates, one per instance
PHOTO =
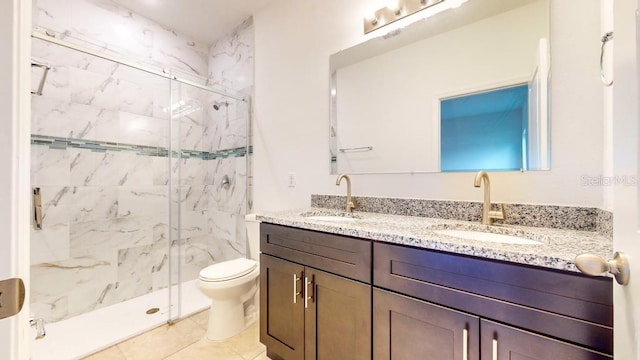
(351, 203)
(488, 215)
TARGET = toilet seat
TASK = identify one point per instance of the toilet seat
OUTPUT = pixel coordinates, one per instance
(228, 270)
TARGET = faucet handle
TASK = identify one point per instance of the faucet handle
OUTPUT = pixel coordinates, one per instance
(498, 214)
(352, 204)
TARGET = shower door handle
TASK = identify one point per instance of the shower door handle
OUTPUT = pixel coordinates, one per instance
(45, 70)
(37, 209)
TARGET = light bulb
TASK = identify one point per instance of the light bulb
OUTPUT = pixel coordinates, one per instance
(370, 16)
(393, 5)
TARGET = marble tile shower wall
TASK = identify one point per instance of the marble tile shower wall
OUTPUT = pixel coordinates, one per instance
(106, 214)
(231, 65)
(231, 59)
(109, 27)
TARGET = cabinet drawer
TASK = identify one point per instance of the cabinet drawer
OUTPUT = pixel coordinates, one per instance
(341, 255)
(572, 307)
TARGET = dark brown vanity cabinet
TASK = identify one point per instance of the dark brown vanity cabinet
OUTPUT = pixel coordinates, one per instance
(308, 313)
(551, 314)
(331, 297)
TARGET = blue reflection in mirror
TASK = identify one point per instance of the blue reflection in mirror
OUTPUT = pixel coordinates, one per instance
(485, 131)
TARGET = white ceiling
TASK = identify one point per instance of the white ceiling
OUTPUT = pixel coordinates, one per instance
(203, 20)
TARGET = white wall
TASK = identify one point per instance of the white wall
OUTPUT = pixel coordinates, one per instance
(293, 44)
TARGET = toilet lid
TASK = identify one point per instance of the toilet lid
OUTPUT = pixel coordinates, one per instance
(228, 270)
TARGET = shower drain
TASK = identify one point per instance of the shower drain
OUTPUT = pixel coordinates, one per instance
(152, 311)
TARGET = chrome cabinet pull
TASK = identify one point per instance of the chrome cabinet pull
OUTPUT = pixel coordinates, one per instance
(37, 209)
(494, 351)
(295, 288)
(465, 344)
(306, 291)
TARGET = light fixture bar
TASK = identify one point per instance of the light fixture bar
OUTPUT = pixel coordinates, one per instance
(387, 15)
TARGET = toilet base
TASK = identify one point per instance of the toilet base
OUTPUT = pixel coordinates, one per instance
(226, 319)
(228, 300)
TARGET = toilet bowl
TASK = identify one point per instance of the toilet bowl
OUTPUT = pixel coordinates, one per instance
(230, 284)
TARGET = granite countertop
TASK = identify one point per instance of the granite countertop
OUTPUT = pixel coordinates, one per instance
(557, 251)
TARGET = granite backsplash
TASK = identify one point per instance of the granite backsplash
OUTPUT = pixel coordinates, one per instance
(548, 216)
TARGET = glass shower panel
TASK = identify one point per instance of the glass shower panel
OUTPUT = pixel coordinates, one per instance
(100, 155)
(212, 185)
(189, 186)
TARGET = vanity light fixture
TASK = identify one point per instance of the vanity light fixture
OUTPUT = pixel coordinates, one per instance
(399, 9)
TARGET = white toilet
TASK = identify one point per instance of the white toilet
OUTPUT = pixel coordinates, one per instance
(231, 284)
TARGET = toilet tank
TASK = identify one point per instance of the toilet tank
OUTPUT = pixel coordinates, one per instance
(253, 236)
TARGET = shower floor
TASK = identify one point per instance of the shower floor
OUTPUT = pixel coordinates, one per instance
(85, 334)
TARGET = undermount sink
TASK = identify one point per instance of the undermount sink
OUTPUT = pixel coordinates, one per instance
(489, 237)
(332, 218)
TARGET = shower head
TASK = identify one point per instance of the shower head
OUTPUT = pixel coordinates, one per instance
(218, 104)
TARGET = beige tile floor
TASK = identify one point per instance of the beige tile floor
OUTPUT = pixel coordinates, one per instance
(185, 340)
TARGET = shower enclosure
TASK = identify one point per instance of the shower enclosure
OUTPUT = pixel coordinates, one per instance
(142, 182)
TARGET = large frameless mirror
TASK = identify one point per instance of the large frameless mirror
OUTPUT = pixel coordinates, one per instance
(463, 90)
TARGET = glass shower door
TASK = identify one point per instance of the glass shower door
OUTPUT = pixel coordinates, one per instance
(100, 157)
(209, 183)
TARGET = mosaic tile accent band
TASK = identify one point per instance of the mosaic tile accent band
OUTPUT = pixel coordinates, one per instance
(549, 216)
(55, 142)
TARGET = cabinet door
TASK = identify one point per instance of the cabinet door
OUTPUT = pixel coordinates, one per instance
(409, 329)
(500, 342)
(337, 318)
(282, 307)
